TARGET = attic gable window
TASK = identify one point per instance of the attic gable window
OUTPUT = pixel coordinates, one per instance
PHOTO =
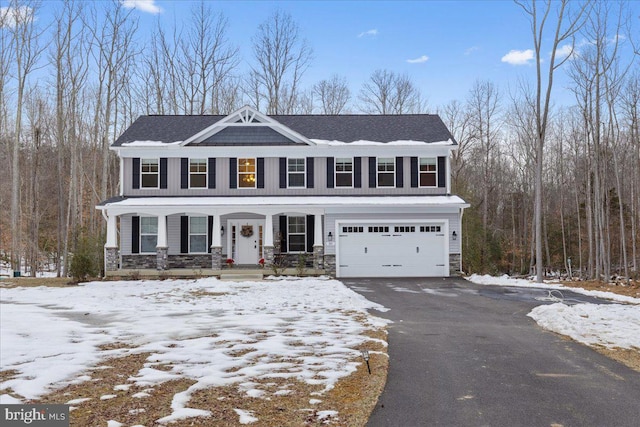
(247, 173)
(428, 172)
(149, 173)
(386, 172)
(198, 173)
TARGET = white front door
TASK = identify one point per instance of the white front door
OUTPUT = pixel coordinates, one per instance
(245, 240)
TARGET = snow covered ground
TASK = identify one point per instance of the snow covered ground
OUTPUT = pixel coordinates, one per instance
(609, 325)
(216, 333)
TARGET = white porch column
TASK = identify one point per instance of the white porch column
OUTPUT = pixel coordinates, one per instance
(317, 230)
(112, 232)
(268, 230)
(162, 232)
(216, 239)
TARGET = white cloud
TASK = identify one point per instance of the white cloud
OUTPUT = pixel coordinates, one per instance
(420, 60)
(10, 16)
(142, 5)
(369, 33)
(564, 51)
(471, 50)
(518, 57)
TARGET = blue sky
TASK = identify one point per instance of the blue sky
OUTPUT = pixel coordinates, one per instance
(444, 46)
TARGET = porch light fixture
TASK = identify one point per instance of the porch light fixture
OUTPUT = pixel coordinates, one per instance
(454, 235)
(330, 237)
(222, 230)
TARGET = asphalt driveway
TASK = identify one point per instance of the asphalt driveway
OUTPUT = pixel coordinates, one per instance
(467, 355)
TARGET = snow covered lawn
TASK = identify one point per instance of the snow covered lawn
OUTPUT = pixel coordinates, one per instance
(210, 332)
(608, 325)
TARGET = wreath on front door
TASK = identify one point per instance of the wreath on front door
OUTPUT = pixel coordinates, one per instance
(247, 230)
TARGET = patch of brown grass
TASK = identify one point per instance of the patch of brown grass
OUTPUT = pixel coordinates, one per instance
(620, 287)
(32, 282)
(629, 357)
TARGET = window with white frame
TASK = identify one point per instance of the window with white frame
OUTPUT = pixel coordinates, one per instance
(148, 234)
(296, 233)
(197, 173)
(295, 172)
(149, 173)
(197, 234)
(428, 172)
(386, 172)
(344, 172)
(247, 173)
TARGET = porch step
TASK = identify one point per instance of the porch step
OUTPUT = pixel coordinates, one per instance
(240, 277)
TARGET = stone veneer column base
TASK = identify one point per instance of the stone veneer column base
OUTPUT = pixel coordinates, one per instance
(268, 255)
(318, 257)
(216, 257)
(162, 255)
(330, 265)
(455, 265)
(111, 259)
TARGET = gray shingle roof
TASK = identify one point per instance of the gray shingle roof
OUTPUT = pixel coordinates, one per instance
(346, 128)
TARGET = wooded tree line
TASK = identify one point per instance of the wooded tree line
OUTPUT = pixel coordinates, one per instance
(70, 86)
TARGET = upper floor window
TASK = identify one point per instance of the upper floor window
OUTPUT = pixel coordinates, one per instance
(386, 172)
(428, 172)
(247, 173)
(296, 230)
(148, 234)
(149, 173)
(198, 173)
(296, 172)
(197, 234)
(344, 172)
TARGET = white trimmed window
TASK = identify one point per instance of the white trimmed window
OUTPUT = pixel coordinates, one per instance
(148, 234)
(149, 173)
(344, 172)
(428, 172)
(297, 236)
(386, 172)
(247, 173)
(296, 173)
(197, 234)
(197, 173)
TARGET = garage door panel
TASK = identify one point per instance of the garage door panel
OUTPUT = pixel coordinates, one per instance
(392, 250)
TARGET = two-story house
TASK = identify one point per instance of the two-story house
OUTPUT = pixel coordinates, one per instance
(358, 195)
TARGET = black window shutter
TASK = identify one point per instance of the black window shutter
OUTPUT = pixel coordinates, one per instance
(211, 171)
(309, 172)
(310, 232)
(233, 172)
(330, 174)
(163, 172)
(260, 172)
(283, 172)
(414, 172)
(184, 234)
(136, 172)
(373, 172)
(210, 234)
(442, 180)
(184, 172)
(283, 232)
(399, 172)
(357, 172)
(135, 234)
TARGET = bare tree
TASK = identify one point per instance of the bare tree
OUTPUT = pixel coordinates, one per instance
(566, 25)
(334, 94)
(389, 93)
(24, 34)
(281, 58)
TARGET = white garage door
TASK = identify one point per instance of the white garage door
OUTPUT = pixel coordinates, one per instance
(392, 250)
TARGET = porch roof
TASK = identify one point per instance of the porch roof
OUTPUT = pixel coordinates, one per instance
(280, 201)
